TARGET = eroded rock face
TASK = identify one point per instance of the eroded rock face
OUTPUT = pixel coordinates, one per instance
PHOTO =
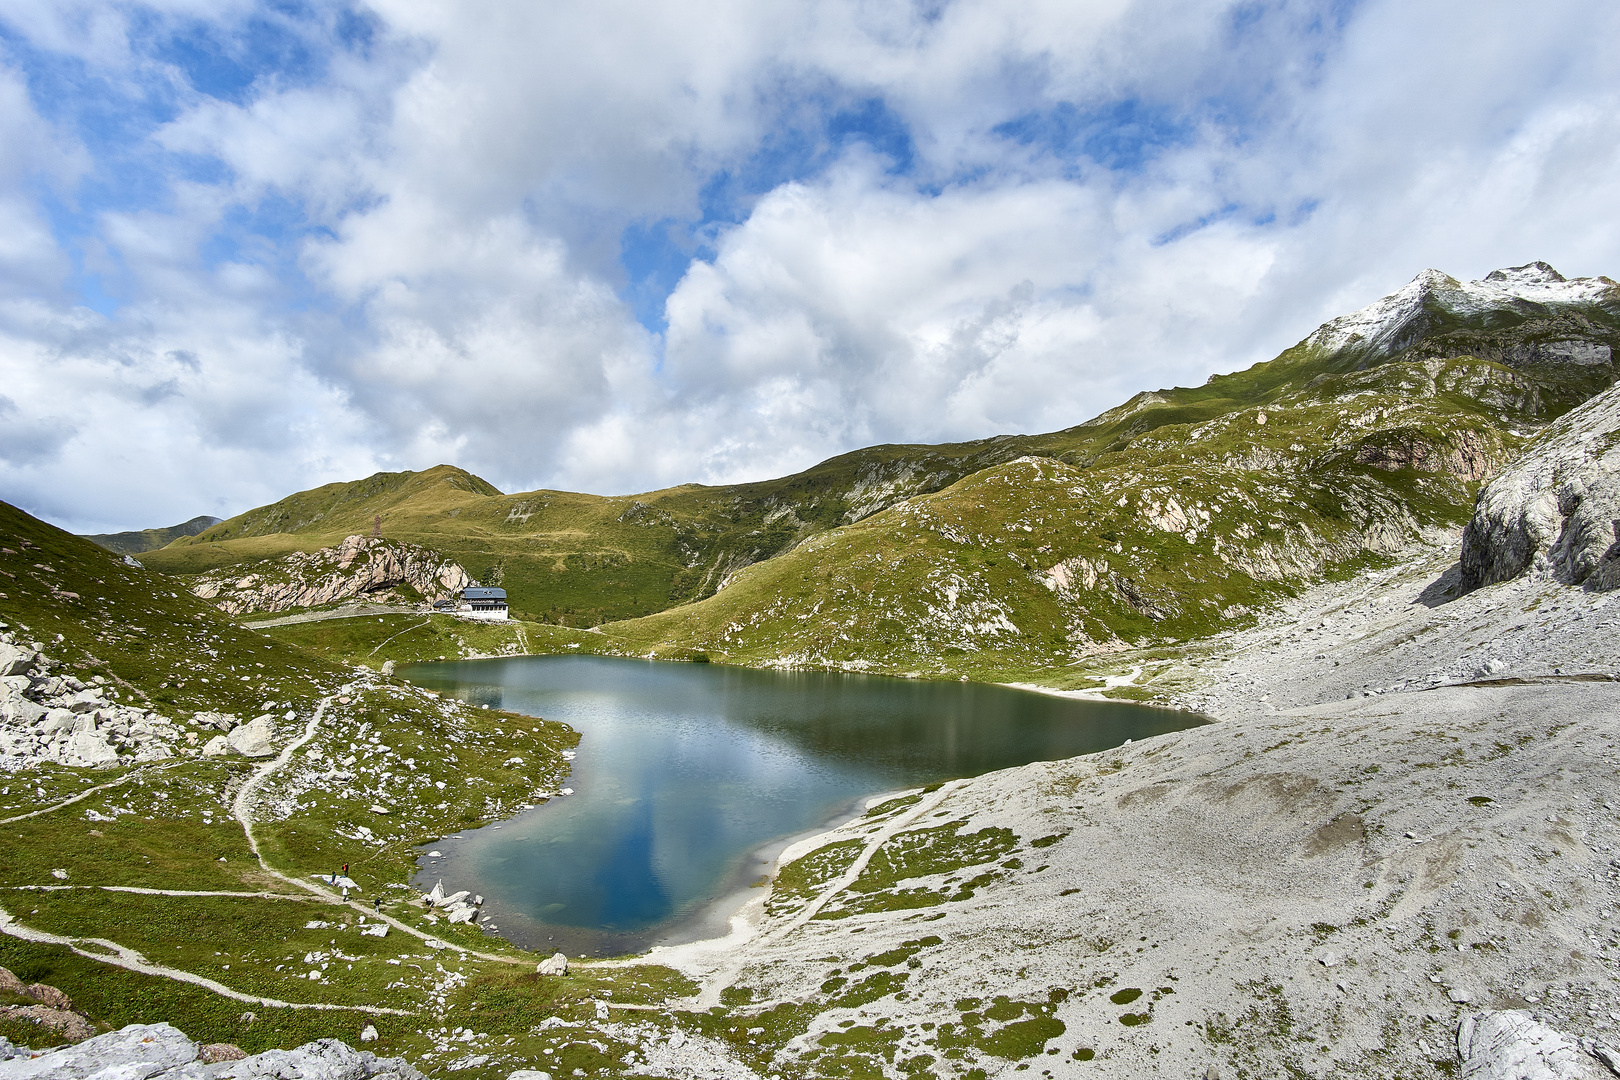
(359, 566)
(1557, 509)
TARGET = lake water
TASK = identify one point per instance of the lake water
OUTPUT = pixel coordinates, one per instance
(690, 778)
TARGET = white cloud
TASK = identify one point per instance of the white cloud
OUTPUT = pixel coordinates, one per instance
(447, 285)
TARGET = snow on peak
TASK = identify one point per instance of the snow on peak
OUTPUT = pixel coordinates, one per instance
(1384, 322)
(1535, 273)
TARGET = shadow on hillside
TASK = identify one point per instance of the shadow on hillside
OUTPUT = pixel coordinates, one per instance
(1443, 589)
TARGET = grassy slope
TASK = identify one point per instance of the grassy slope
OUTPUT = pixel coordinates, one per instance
(168, 826)
(585, 560)
(958, 582)
(138, 541)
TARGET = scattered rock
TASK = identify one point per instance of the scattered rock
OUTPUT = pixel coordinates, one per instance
(70, 1025)
(48, 995)
(528, 1074)
(555, 964)
(16, 659)
(1459, 996)
(9, 983)
(369, 1033)
(388, 667)
(218, 746)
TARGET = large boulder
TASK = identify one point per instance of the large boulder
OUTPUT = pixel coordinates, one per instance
(1557, 509)
(87, 749)
(138, 1050)
(252, 739)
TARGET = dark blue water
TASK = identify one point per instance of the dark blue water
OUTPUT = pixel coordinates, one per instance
(690, 776)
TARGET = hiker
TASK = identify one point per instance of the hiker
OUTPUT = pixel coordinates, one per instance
(345, 869)
(376, 903)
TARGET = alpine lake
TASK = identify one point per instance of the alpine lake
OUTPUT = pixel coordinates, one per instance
(690, 778)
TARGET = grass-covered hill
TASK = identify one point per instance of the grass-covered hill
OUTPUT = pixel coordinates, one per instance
(1377, 424)
(582, 560)
(147, 853)
(1179, 513)
(139, 540)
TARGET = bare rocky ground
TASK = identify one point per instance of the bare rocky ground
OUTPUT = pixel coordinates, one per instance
(1402, 630)
(1407, 816)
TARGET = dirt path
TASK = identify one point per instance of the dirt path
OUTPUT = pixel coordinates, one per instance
(127, 958)
(85, 794)
(241, 810)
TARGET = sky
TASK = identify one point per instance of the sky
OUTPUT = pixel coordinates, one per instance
(249, 248)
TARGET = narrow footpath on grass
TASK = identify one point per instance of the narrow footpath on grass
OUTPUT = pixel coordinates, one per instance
(242, 811)
(110, 952)
(731, 963)
(85, 794)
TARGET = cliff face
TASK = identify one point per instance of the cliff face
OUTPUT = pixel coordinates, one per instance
(360, 566)
(1557, 509)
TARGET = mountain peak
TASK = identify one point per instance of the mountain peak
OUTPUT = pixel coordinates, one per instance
(1387, 324)
(1535, 273)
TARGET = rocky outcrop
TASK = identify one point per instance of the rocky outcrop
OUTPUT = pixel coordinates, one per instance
(54, 1011)
(1513, 1045)
(162, 1052)
(1469, 454)
(1557, 509)
(58, 718)
(360, 566)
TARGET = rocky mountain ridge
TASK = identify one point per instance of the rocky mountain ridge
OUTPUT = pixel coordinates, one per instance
(361, 566)
(1442, 380)
(1395, 322)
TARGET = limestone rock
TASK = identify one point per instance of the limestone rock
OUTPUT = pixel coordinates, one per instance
(528, 1074)
(218, 746)
(252, 739)
(141, 1049)
(1513, 1045)
(360, 566)
(16, 659)
(9, 983)
(388, 667)
(555, 964)
(160, 1052)
(1555, 509)
(217, 721)
(85, 748)
(369, 1033)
